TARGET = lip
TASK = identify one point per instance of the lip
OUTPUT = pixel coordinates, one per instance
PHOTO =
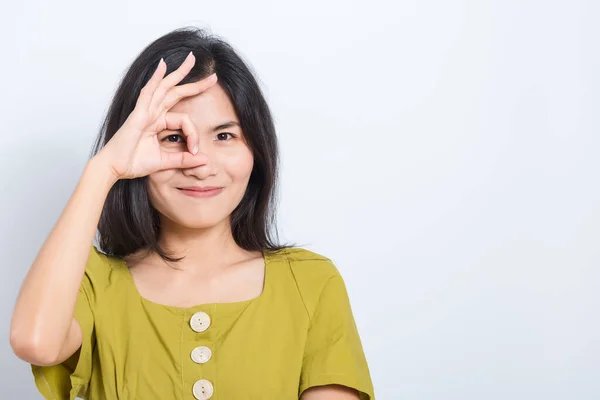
(208, 191)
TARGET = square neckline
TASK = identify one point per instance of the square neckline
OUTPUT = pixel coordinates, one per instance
(197, 307)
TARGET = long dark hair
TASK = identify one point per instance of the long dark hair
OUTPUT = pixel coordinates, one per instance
(129, 222)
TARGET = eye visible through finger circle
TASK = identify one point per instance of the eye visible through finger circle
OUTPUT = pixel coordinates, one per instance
(175, 136)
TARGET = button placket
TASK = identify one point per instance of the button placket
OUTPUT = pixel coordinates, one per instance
(200, 322)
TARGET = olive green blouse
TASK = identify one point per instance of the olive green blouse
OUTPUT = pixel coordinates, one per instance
(298, 333)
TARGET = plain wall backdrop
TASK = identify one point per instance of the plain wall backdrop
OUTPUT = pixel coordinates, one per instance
(444, 154)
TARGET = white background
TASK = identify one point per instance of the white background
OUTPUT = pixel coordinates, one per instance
(444, 154)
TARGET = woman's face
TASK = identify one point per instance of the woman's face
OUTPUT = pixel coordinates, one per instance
(228, 166)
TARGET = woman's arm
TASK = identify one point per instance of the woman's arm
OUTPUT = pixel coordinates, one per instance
(330, 392)
(43, 330)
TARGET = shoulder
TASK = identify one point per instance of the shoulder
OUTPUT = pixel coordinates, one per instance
(313, 273)
(97, 259)
(98, 263)
(99, 271)
(307, 264)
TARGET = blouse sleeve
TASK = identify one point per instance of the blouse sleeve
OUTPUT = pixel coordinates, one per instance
(70, 379)
(333, 353)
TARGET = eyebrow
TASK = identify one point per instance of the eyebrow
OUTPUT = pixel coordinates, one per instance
(226, 125)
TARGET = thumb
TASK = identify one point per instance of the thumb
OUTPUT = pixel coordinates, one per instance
(183, 159)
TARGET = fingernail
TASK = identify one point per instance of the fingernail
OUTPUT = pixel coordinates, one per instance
(191, 54)
(195, 150)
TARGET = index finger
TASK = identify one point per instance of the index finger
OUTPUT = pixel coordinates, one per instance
(182, 122)
(182, 160)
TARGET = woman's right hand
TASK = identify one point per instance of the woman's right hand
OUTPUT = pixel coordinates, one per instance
(134, 150)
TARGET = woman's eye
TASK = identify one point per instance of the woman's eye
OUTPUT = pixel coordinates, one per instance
(167, 138)
(224, 136)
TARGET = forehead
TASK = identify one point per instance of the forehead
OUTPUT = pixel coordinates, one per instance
(208, 107)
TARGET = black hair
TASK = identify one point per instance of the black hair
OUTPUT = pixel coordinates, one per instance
(128, 221)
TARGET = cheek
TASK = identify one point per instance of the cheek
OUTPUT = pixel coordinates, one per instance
(156, 182)
(160, 177)
(239, 166)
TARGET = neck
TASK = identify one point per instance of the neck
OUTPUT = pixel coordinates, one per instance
(204, 249)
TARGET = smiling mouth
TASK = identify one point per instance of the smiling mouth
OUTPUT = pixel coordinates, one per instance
(200, 188)
(201, 192)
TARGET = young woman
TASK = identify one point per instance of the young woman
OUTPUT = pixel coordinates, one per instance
(190, 298)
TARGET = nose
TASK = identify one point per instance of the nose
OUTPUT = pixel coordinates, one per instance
(207, 166)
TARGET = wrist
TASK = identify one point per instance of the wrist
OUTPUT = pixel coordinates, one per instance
(101, 171)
